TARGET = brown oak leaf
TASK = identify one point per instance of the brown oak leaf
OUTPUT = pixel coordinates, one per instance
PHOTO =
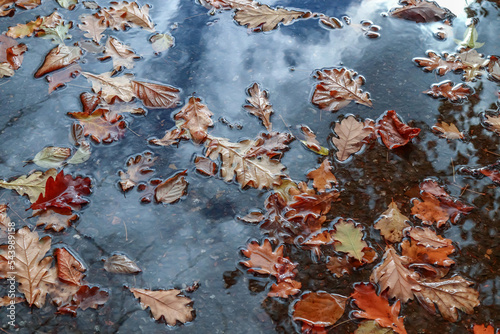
(138, 170)
(272, 144)
(261, 17)
(352, 135)
(53, 220)
(60, 78)
(122, 55)
(442, 65)
(100, 126)
(93, 25)
(420, 11)
(319, 308)
(197, 119)
(156, 95)
(259, 105)
(423, 254)
(322, 176)
(392, 223)
(447, 89)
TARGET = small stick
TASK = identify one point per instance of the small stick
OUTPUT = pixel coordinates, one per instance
(472, 191)
(135, 133)
(498, 155)
(126, 235)
(453, 166)
(464, 189)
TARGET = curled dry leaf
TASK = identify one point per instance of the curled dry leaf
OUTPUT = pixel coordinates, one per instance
(337, 88)
(167, 304)
(393, 276)
(122, 55)
(322, 176)
(377, 308)
(138, 170)
(394, 132)
(447, 90)
(351, 137)
(259, 105)
(32, 185)
(310, 141)
(121, 264)
(70, 270)
(448, 131)
(205, 166)
(264, 18)
(155, 95)
(63, 193)
(52, 157)
(319, 308)
(392, 223)
(449, 295)
(33, 270)
(420, 11)
(172, 189)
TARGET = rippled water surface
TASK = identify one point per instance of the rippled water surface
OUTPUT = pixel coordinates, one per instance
(199, 237)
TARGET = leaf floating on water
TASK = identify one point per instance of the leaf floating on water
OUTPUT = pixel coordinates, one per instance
(32, 185)
(470, 38)
(482, 329)
(53, 220)
(442, 65)
(166, 304)
(111, 88)
(494, 68)
(52, 157)
(322, 176)
(171, 137)
(59, 57)
(70, 270)
(394, 132)
(350, 239)
(448, 131)
(197, 119)
(447, 89)
(264, 18)
(205, 166)
(121, 264)
(420, 11)
(60, 78)
(138, 170)
(492, 123)
(259, 105)
(122, 55)
(310, 141)
(172, 189)
(122, 15)
(392, 223)
(99, 126)
(285, 288)
(25, 30)
(162, 42)
(262, 258)
(156, 95)
(371, 327)
(337, 88)
(68, 4)
(351, 137)
(492, 171)
(82, 154)
(319, 309)
(93, 25)
(377, 308)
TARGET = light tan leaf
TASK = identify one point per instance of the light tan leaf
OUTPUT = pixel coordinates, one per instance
(322, 176)
(52, 157)
(121, 264)
(59, 57)
(94, 26)
(392, 223)
(167, 304)
(138, 170)
(197, 119)
(449, 295)
(68, 4)
(172, 189)
(54, 221)
(371, 327)
(310, 141)
(257, 172)
(155, 95)
(126, 14)
(392, 275)
(351, 134)
(264, 18)
(448, 131)
(112, 87)
(259, 105)
(337, 88)
(228, 4)
(349, 239)
(6, 70)
(33, 269)
(162, 42)
(171, 137)
(492, 123)
(427, 237)
(82, 154)
(25, 30)
(32, 185)
(122, 55)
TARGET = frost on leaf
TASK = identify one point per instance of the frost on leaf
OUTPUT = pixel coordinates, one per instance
(377, 308)
(166, 304)
(138, 170)
(156, 95)
(63, 193)
(448, 131)
(394, 132)
(32, 185)
(112, 88)
(257, 172)
(122, 55)
(446, 89)
(392, 223)
(259, 105)
(437, 206)
(449, 296)
(420, 11)
(319, 309)
(337, 88)
(264, 18)
(351, 135)
(322, 177)
(392, 275)
(70, 270)
(33, 269)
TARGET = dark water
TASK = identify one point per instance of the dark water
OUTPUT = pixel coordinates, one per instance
(199, 238)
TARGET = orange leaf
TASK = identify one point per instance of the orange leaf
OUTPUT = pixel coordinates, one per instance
(482, 329)
(70, 270)
(377, 308)
(285, 289)
(447, 90)
(197, 119)
(418, 254)
(262, 258)
(319, 308)
(322, 176)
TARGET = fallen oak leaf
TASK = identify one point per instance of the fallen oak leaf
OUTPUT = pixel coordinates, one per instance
(262, 258)
(99, 126)
(122, 55)
(377, 308)
(446, 89)
(68, 4)
(205, 166)
(70, 270)
(121, 264)
(339, 266)
(322, 177)
(392, 223)
(442, 65)
(393, 131)
(156, 95)
(285, 288)
(124, 14)
(448, 131)
(14, 55)
(352, 135)
(423, 254)
(138, 170)
(32, 185)
(420, 11)
(197, 119)
(349, 238)
(93, 25)
(492, 172)
(264, 18)
(171, 137)
(165, 303)
(60, 78)
(272, 144)
(162, 42)
(86, 297)
(172, 189)
(259, 105)
(53, 220)
(112, 88)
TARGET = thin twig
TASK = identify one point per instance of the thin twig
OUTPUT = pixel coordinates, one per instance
(498, 155)
(469, 190)
(453, 166)
(126, 235)
(135, 133)
(464, 189)
(343, 322)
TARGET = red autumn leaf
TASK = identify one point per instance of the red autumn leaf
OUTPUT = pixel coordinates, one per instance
(482, 329)
(437, 205)
(262, 259)
(322, 176)
(393, 131)
(420, 11)
(70, 270)
(377, 308)
(86, 297)
(422, 254)
(491, 171)
(63, 193)
(319, 308)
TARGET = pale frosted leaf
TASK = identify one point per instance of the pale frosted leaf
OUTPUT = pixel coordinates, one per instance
(121, 264)
(52, 157)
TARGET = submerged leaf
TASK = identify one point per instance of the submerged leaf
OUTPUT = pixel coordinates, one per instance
(350, 237)
(156, 95)
(162, 42)
(121, 264)
(110, 87)
(138, 170)
(319, 308)
(447, 90)
(52, 157)
(394, 132)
